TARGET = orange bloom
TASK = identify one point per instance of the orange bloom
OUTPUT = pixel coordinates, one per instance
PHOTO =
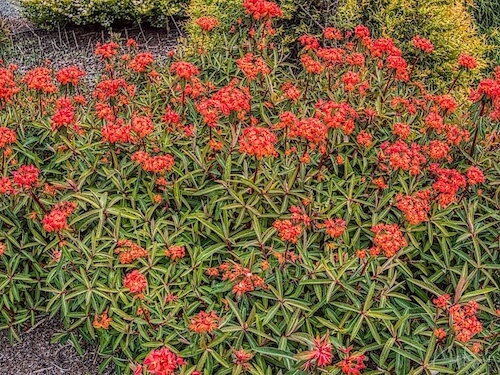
(175, 252)
(204, 322)
(135, 282)
(258, 142)
(207, 23)
(388, 238)
(129, 251)
(102, 321)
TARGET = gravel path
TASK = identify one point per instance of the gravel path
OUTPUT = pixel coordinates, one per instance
(31, 47)
(34, 354)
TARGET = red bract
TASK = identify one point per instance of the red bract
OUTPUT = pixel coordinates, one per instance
(175, 252)
(321, 354)
(262, 9)
(332, 33)
(311, 65)
(40, 79)
(107, 50)
(309, 42)
(466, 61)
(129, 251)
(26, 176)
(204, 322)
(156, 164)
(465, 322)
(112, 88)
(141, 62)
(388, 238)
(7, 136)
(448, 183)
(64, 115)
(441, 301)
(291, 91)
(184, 70)
(142, 126)
(475, 176)
(415, 207)
(312, 130)
(352, 365)
(70, 75)
(135, 282)
(6, 186)
(334, 227)
(422, 44)
(287, 230)
(438, 150)
(252, 66)
(401, 156)
(364, 138)
(163, 362)
(56, 220)
(207, 23)
(116, 132)
(258, 142)
(8, 86)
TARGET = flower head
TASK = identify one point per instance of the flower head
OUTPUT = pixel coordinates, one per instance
(163, 362)
(204, 322)
(135, 282)
(258, 142)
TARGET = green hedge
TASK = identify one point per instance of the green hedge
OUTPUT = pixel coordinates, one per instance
(104, 12)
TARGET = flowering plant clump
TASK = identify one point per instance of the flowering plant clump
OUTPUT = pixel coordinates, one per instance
(233, 212)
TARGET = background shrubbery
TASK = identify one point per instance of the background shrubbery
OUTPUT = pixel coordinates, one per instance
(103, 12)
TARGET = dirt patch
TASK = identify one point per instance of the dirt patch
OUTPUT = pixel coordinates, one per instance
(34, 354)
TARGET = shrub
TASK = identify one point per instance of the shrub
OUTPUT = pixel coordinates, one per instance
(49, 13)
(231, 212)
(447, 23)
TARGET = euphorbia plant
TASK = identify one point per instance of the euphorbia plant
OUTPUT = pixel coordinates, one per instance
(232, 212)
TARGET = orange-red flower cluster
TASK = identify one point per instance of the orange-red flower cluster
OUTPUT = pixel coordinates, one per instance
(252, 66)
(142, 126)
(352, 365)
(422, 44)
(184, 70)
(465, 322)
(337, 115)
(156, 164)
(116, 132)
(475, 176)
(135, 282)
(335, 227)
(7, 136)
(129, 251)
(311, 65)
(40, 79)
(466, 61)
(320, 356)
(163, 362)
(57, 219)
(258, 142)
(204, 322)
(70, 75)
(415, 207)
(64, 115)
(26, 176)
(175, 252)
(441, 301)
(287, 230)
(388, 238)
(102, 321)
(2, 248)
(447, 184)
(310, 129)
(8, 86)
(402, 156)
(207, 23)
(107, 50)
(141, 62)
(262, 9)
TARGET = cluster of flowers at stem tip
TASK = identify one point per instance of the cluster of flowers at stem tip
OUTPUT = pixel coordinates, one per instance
(463, 319)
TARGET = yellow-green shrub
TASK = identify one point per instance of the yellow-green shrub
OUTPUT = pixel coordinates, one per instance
(103, 12)
(447, 23)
